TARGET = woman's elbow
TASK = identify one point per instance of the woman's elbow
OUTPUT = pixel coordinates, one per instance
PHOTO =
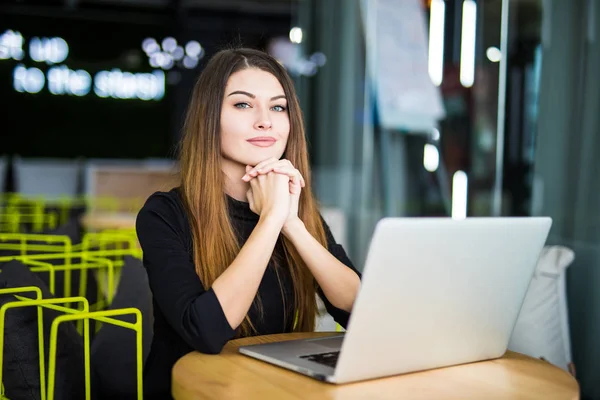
(204, 342)
(210, 346)
(205, 333)
(208, 341)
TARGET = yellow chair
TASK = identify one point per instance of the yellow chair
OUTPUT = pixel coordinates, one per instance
(93, 259)
(65, 204)
(101, 316)
(38, 302)
(107, 270)
(82, 315)
(9, 223)
(70, 263)
(113, 246)
(17, 203)
(121, 231)
(38, 221)
(111, 240)
(27, 243)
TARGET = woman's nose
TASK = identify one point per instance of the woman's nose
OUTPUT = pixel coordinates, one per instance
(263, 122)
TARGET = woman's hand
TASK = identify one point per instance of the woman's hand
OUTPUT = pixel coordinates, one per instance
(285, 168)
(269, 196)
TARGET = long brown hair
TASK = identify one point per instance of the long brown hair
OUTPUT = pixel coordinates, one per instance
(215, 244)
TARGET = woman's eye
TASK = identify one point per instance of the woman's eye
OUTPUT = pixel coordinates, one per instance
(242, 105)
(278, 108)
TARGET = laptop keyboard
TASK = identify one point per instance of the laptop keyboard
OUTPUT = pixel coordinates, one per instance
(329, 359)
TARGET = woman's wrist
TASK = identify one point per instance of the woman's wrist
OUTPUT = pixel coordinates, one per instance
(292, 225)
(272, 219)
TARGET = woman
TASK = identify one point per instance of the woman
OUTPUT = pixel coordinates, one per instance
(239, 248)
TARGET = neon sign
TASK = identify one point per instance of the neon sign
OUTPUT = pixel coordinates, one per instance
(60, 80)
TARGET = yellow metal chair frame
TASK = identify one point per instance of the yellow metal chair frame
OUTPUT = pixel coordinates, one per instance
(107, 276)
(9, 223)
(39, 221)
(27, 243)
(111, 240)
(48, 303)
(83, 315)
(102, 316)
(38, 204)
(87, 262)
(54, 243)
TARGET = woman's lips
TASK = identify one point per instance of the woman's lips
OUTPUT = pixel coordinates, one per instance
(262, 141)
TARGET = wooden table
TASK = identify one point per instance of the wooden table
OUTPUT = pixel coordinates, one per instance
(97, 221)
(231, 375)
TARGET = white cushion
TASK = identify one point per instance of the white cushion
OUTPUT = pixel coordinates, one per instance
(542, 328)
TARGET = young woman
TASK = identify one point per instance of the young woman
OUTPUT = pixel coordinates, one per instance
(239, 248)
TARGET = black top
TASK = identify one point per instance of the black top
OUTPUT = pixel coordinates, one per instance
(187, 317)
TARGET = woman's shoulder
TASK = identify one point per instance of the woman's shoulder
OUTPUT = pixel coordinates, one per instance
(163, 218)
(168, 204)
(163, 212)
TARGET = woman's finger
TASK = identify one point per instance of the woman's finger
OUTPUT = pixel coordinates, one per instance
(291, 172)
(253, 172)
(295, 189)
(254, 184)
(262, 164)
(269, 165)
(265, 167)
(279, 166)
(296, 181)
(294, 176)
(250, 197)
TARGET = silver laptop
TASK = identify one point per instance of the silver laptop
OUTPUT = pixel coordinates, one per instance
(435, 292)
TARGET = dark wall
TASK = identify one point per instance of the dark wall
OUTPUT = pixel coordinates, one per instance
(46, 125)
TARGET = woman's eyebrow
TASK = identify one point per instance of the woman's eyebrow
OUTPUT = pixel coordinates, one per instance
(281, 96)
(242, 92)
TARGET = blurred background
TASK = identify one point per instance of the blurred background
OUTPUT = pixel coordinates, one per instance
(412, 108)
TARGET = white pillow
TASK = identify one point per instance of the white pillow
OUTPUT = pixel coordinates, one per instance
(542, 328)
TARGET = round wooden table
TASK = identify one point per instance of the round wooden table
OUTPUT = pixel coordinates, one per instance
(97, 221)
(231, 375)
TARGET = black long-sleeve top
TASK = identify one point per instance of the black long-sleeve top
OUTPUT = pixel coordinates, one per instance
(186, 316)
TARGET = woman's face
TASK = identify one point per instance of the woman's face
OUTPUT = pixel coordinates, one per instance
(254, 121)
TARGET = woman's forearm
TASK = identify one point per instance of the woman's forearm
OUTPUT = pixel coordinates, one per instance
(236, 287)
(339, 283)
